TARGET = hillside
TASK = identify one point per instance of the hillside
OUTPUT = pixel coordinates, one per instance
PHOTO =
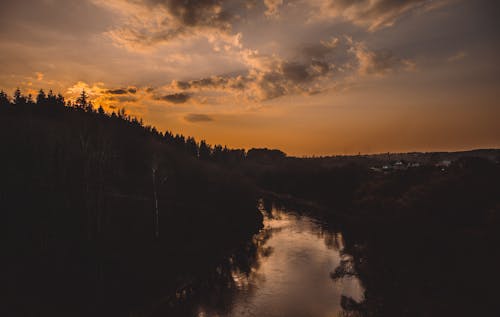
(97, 204)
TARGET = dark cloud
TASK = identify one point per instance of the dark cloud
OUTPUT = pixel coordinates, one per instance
(122, 91)
(182, 85)
(200, 12)
(295, 72)
(214, 82)
(320, 67)
(169, 19)
(198, 117)
(270, 77)
(117, 91)
(276, 79)
(176, 98)
(291, 78)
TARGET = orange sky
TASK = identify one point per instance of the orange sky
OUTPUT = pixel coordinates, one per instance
(311, 77)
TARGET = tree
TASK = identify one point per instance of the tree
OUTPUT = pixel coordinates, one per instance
(122, 113)
(81, 102)
(19, 99)
(100, 110)
(217, 153)
(4, 99)
(179, 141)
(191, 147)
(29, 100)
(41, 98)
(89, 107)
(51, 98)
(60, 101)
(204, 150)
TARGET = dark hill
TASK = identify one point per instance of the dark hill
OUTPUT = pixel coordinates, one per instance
(99, 210)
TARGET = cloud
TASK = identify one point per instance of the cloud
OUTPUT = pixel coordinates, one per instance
(378, 62)
(176, 98)
(123, 98)
(122, 91)
(117, 91)
(319, 68)
(272, 7)
(457, 57)
(375, 14)
(146, 23)
(39, 76)
(331, 43)
(198, 117)
(260, 83)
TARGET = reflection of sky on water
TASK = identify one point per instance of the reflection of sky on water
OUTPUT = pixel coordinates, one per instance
(296, 258)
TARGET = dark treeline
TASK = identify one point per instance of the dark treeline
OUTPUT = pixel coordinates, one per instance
(101, 212)
(51, 102)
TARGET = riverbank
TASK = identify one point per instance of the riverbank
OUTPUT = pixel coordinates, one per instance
(423, 242)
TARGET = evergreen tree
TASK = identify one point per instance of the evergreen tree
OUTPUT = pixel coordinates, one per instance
(4, 99)
(89, 107)
(29, 100)
(41, 98)
(81, 102)
(191, 146)
(100, 110)
(19, 99)
(204, 150)
(60, 101)
(51, 98)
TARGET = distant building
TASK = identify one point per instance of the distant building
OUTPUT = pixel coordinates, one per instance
(444, 163)
(386, 168)
(399, 166)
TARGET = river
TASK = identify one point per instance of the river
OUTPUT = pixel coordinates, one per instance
(291, 274)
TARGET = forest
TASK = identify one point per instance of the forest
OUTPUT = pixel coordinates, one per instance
(100, 203)
(96, 204)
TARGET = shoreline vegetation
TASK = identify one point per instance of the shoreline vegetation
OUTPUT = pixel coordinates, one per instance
(101, 210)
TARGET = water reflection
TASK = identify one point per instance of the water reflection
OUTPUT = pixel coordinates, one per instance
(292, 269)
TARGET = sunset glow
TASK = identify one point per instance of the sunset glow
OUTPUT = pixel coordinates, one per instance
(312, 77)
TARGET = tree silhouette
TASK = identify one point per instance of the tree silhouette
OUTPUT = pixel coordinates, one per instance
(29, 99)
(191, 146)
(19, 99)
(205, 151)
(4, 99)
(41, 98)
(100, 110)
(81, 102)
(59, 101)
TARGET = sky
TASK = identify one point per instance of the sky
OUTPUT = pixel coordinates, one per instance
(310, 77)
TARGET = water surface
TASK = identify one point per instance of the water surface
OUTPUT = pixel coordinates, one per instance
(291, 276)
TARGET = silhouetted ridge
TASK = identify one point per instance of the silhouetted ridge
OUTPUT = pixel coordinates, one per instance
(52, 103)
